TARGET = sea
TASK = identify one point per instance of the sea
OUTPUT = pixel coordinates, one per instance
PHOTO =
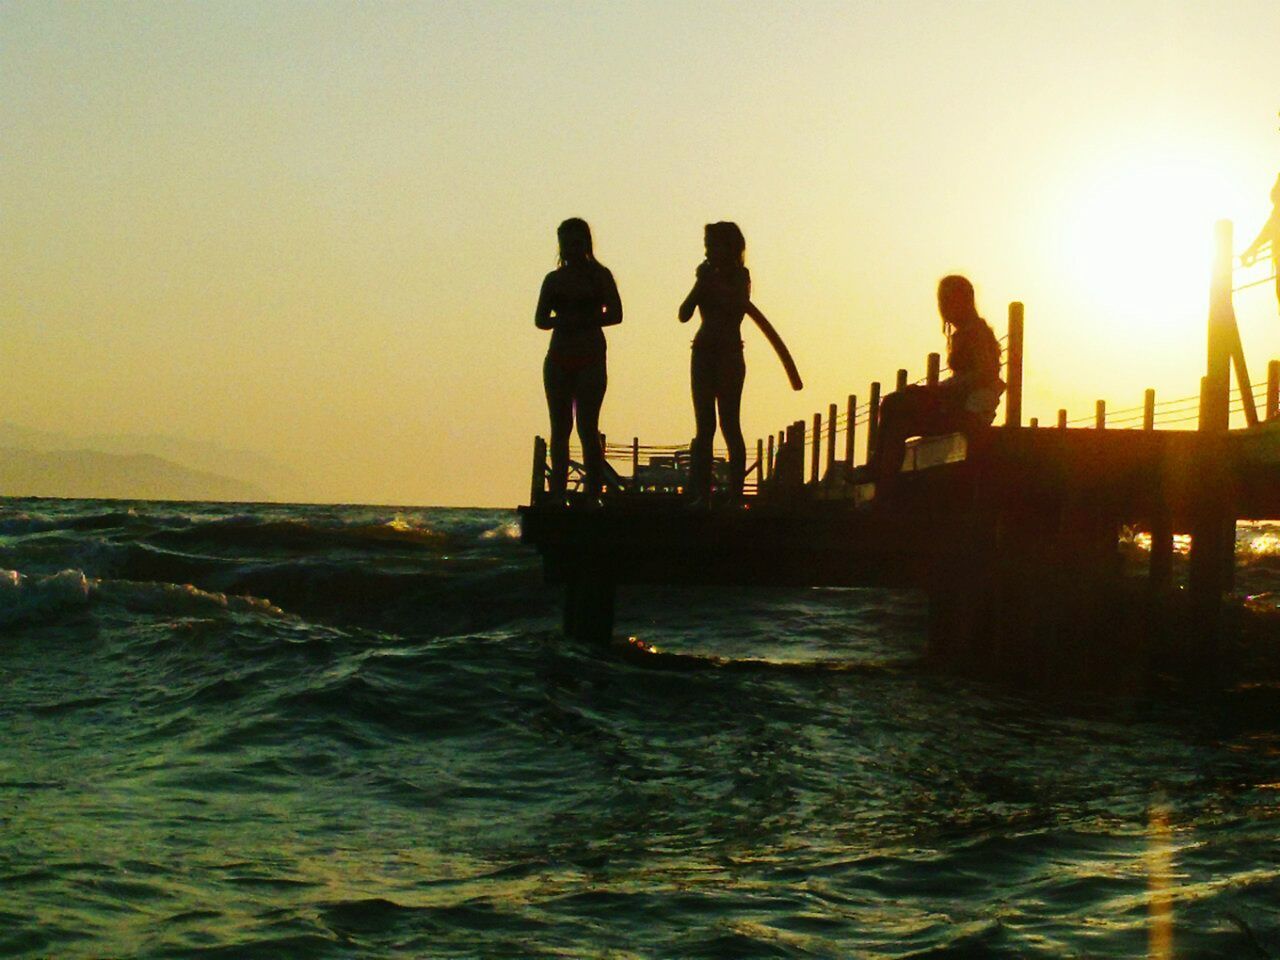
(266, 731)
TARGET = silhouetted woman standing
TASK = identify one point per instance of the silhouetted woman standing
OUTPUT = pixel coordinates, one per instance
(578, 299)
(1269, 234)
(721, 292)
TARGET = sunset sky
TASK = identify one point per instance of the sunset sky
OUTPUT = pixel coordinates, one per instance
(317, 231)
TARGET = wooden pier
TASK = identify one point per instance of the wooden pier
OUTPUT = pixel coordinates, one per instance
(1012, 531)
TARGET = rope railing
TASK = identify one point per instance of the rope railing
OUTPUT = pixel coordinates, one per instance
(1254, 283)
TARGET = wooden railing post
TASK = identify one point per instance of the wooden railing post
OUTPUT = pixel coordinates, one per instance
(933, 364)
(831, 436)
(538, 483)
(1149, 410)
(1034, 423)
(1062, 419)
(1273, 389)
(635, 457)
(800, 447)
(851, 417)
(900, 383)
(1013, 368)
(1100, 415)
(873, 420)
(1216, 397)
(760, 464)
(817, 448)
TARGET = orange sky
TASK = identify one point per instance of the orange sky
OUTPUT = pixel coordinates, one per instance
(317, 231)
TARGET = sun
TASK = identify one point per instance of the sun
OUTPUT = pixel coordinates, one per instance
(1139, 237)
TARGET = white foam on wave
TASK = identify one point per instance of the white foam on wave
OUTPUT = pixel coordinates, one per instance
(24, 598)
(504, 531)
(152, 597)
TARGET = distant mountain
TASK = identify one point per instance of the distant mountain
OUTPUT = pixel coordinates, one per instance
(269, 478)
(94, 474)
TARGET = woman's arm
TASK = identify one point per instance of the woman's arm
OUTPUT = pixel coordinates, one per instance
(612, 302)
(691, 301)
(542, 318)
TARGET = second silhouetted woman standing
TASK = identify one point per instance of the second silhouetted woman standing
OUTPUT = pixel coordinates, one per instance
(721, 293)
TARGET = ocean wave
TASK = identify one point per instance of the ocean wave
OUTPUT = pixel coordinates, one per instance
(43, 597)
(37, 598)
(505, 531)
(248, 531)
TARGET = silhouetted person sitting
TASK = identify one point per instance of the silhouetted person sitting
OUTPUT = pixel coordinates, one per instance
(721, 293)
(965, 400)
(1269, 234)
(578, 299)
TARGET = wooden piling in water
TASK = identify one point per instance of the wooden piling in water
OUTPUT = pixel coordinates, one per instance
(1213, 522)
(1013, 367)
(851, 419)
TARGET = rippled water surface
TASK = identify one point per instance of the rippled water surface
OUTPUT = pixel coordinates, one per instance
(356, 732)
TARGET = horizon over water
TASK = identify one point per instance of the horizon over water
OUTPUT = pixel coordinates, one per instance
(310, 731)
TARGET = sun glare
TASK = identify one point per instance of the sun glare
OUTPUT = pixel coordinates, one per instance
(1138, 243)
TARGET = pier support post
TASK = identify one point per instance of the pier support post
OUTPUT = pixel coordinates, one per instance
(1213, 524)
(589, 605)
(1160, 562)
(933, 364)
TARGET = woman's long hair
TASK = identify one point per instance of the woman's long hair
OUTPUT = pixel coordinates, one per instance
(727, 234)
(575, 241)
(958, 288)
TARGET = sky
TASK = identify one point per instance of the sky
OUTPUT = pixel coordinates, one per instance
(317, 231)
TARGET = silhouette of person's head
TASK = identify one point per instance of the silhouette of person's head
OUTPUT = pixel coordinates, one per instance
(575, 241)
(956, 301)
(725, 244)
